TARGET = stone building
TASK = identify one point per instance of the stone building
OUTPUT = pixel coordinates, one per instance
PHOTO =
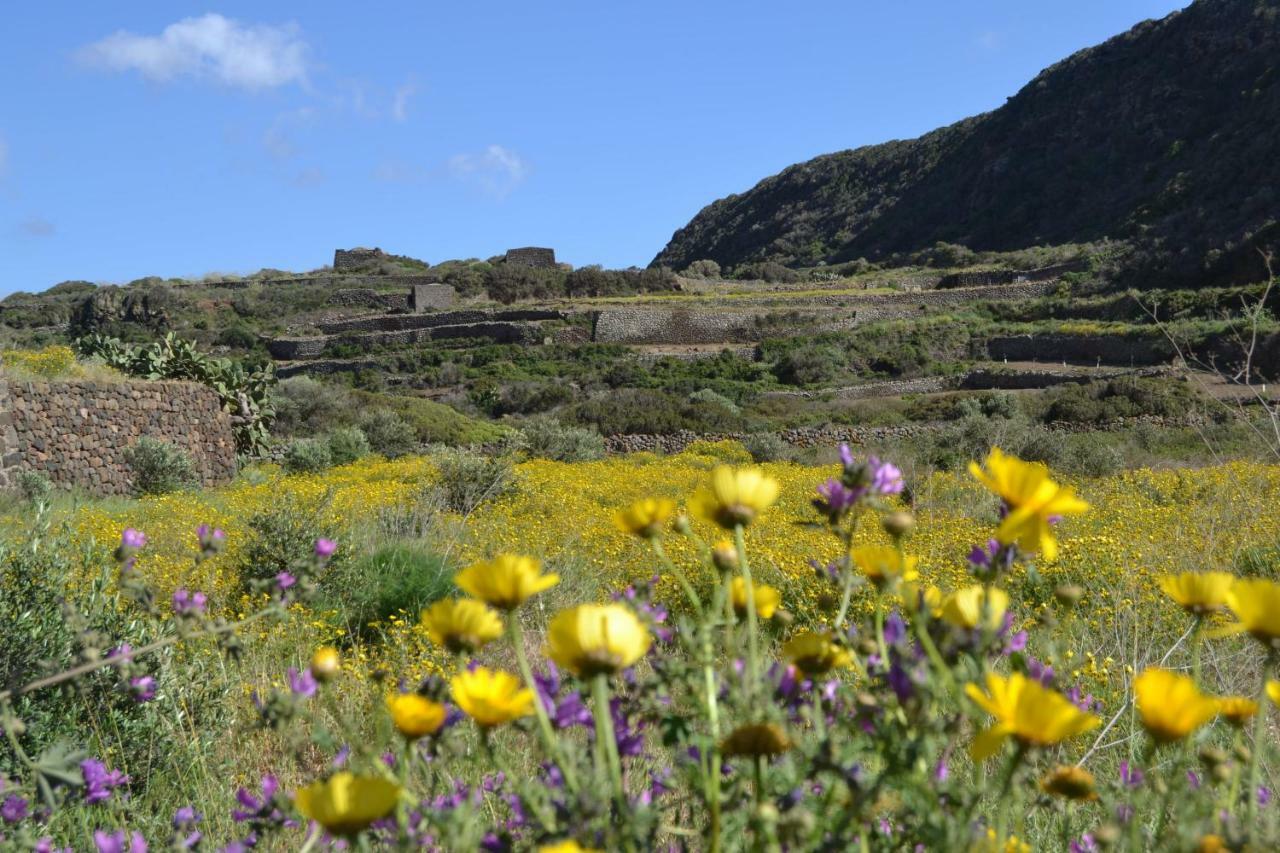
(532, 256)
(357, 258)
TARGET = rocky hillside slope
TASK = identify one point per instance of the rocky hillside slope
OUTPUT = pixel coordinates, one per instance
(1163, 137)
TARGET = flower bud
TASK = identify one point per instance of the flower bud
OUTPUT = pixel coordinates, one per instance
(1069, 595)
(682, 526)
(1222, 773)
(1107, 836)
(325, 663)
(1243, 754)
(898, 524)
(725, 556)
(1211, 757)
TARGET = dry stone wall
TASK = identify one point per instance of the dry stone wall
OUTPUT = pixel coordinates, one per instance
(532, 256)
(76, 433)
(688, 326)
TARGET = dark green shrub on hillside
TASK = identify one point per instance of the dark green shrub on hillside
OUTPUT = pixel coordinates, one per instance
(597, 281)
(705, 268)
(159, 467)
(768, 447)
(238, 337)
(770, 271)
(387, 433)
(506, 283)
(810, 364)
(527, 398)
(637, 410)
(1098, 402)
(306, 406)
(307, 456)
(348, 444)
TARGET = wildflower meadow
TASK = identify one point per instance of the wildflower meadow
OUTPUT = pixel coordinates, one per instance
(690, 652)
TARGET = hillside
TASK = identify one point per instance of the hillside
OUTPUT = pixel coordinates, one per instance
(1162, 137)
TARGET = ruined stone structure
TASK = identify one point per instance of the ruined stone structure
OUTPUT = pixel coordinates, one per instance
(76, 433)
(346, 259)
(431, 297)
(532, 256)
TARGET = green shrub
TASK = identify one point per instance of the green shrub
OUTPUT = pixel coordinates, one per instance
(630, 411)
(812, 364)
(32, 486)
(527, 398)
(705, 268)
(280, 537)
(307, 456)
(306, 406)
(768, 447)
(387, 433)
(238, 337)
(347, 444)
(547, 438)
(399, 578)
(468, 479)
(159, 467)
(707, 397)
(432, 422)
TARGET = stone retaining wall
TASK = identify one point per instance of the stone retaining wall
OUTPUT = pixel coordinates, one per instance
(853, 435)
(293, 349)
(690, 326)
(363, 297)
(399, 322)
(76, 433)
(1082, 349)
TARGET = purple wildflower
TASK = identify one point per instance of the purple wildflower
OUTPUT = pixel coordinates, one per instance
(187, 603)
(1130, 776)
(124, 651)
(1264, 795)
(142, 688)
(14, 809)
(325, 548)
(99, 782)
(302, 683)
(846, 456)
(1085, 844)
(284, 580)
(1039, 671)
(118, 842)
(941, 772)
(894, 628)
(837, 498)
(132, 539)
(886, 478)
(253, 806)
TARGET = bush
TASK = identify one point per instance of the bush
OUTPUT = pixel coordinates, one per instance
(159, 467)
(238, 337)
(527, 398)
(305, 406)
(280, 537)
(770, 271)
(398, 578)
(307, 456)
(705, 268)
(347, 444)
(631, 411)
(32, 486)
(767, 447)
(469, 479)
(707, 397)
(811, 364)
(388, 433)
(547, 438)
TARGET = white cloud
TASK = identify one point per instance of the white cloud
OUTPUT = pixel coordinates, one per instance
(249, 56)
(400, 100)
(37, 226)
(496, 170)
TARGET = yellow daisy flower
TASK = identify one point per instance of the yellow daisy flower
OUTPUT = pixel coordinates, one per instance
(645, 518)
(734, 496)
(1198, 592)
(1034, 501)
(1171, 705)
(415, 716)
(491, 697)
(345, 804)
(461, 624)
(883, 565)
(816, 653)
(767, 598)
(592, 639)
(1027, 711)
(506, 581)
(964, 608)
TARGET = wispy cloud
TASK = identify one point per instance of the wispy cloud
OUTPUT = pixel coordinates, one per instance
(400, 100)
(36, 226)
(989, 40)
(247, 56)
(496, 170)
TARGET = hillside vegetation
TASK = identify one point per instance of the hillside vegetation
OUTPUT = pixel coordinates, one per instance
(1162, 137)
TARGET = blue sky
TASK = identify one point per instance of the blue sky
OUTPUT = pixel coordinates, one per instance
(172, 138)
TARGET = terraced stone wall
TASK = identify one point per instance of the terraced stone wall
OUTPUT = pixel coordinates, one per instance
(76, 433)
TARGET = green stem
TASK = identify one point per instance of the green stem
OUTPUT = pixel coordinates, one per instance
(677, 573)
(846, 597)
(1255, 757)
(549, 741)
(758, 762)
(753, 639)
(713, 721)
(604, 735)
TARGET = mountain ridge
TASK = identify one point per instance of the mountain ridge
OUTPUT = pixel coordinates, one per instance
(1162, 136)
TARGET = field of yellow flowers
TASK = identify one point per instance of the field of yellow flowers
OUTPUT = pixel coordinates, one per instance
(1143, 524)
